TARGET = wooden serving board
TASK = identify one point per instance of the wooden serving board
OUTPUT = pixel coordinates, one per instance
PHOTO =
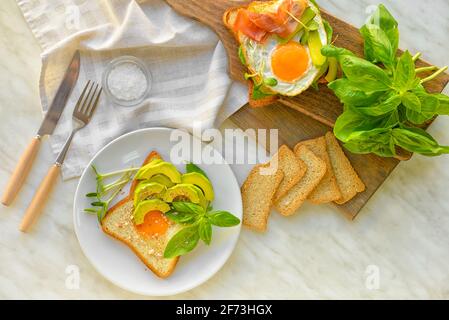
(308, 115)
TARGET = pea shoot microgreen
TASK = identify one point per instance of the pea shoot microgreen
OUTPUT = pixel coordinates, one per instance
(105, 193)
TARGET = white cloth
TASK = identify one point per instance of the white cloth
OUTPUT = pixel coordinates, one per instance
(187, 62)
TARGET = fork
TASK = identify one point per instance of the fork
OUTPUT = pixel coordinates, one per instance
(84, 109)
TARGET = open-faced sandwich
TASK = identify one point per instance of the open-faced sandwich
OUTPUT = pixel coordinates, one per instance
(165, 214)
(280, 44)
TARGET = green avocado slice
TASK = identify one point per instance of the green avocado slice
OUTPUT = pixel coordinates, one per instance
(149, 205)
(200, 181)
(185, 191)
(165, 168)
(162, 179)
(147, 189)
(203, 201)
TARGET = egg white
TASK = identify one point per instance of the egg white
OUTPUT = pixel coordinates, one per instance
(258, 59)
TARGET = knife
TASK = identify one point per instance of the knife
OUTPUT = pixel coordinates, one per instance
(47, 127)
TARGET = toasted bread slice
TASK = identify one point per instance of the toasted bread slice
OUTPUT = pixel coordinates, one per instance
(347, 179)
(292, 168)
(295, 197)
(257, 195)
(327, 190)
(259, 103)
(118, 223)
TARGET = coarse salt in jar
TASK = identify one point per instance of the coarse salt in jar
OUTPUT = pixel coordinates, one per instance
(127, 81)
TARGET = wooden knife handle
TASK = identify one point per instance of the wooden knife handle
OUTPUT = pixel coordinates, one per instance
(40, 198)
(21, 171)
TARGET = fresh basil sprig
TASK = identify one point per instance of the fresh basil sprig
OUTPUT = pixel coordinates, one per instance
(383, 95)
(198, 225)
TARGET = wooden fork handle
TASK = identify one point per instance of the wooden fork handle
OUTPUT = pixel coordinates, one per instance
(40, 198)
(21, 171)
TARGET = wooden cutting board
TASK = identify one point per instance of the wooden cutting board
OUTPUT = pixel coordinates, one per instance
(308, 115)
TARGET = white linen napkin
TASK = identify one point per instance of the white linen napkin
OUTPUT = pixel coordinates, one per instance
(187, 62)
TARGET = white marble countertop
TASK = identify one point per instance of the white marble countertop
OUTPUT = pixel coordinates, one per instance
(402, 233)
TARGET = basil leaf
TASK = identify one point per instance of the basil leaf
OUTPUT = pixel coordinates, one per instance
(418, 140)
(411, 101)
(270, 82)
(205, 231)
(443, 104)
(223, 219)
(182, 242)
(181, 217)
(350, 93)
(242, 56)
(418, 117)
(187, 207)
(365, 74)
(335, 52)
(390, 120)
(383, 107)
(377, 45)
(383, 18)
(405, 75)
(429, 108)
(378, 141)
(429, 102)
(191, 167)
(347, 123)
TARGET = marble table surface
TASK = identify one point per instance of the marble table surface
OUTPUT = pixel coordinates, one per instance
(397, 248)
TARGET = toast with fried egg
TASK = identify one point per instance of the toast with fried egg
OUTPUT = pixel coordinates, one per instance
(280, 44)
(148, 240)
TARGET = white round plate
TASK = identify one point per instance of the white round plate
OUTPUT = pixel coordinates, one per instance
(114, 260)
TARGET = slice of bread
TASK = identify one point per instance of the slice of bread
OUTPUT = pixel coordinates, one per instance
(259, 103)
(327, 190)
(257, 195)
(292, 168)
(118, 223)
(347, 179)
(295, 197)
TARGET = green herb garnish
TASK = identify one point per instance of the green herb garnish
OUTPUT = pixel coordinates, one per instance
(198, 225)
(105, 193)
(384, 100)
(270, 82)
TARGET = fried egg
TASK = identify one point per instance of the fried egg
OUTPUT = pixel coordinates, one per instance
(289, 63)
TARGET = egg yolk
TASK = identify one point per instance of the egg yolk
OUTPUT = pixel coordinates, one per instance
(155, 224)
(289, 61)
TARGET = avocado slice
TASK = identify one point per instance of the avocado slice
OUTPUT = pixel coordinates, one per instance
(147, 206)
(203, 201)
(165, 168)
(200, 181)
(185, 191)
(315, 46)
(147, 189)
(162, 179)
